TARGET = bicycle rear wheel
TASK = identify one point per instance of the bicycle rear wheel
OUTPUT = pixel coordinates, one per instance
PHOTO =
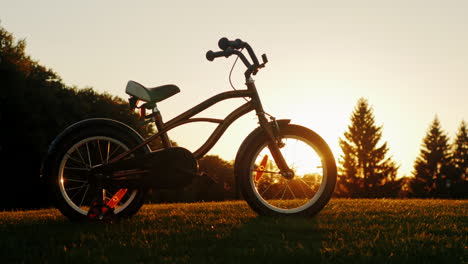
(70, 183)
(269, 193)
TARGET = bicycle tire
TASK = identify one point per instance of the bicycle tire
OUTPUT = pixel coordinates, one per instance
(291, 191)
(75, 209)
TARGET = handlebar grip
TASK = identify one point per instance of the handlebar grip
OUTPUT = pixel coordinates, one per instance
(225, 43)
(210, 55)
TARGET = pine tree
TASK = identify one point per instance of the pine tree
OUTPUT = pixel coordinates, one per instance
(459, 162)
(432, 167)
(365, 169)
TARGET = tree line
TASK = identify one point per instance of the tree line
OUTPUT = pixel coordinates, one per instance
(35, 106)
(366, 171)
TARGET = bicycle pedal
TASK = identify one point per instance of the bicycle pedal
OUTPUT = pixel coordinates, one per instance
(99, 211)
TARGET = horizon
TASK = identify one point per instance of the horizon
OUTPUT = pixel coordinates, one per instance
(406, 59)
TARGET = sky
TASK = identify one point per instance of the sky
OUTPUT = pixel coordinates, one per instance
(407, 58)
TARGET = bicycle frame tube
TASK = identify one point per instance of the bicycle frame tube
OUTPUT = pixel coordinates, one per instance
(186, 117)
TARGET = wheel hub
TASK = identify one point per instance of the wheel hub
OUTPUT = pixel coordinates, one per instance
(289, 175)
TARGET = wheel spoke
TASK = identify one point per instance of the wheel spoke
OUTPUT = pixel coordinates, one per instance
(75, 160)
(74, 188)
(302, 187)
(89, 155)
(74, 180)
(108, 150)
(114, 151)
(75, 168)
(81, 156)
(84, 195)
(291, 190)
(284, 191)
(100, 152)
(77, 192)
(276, 194)
(266, 189)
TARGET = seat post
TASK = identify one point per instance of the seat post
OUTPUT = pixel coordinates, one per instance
(160, 126)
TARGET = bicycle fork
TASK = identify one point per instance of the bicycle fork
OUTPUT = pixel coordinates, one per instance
(275, 144)
(272, 132)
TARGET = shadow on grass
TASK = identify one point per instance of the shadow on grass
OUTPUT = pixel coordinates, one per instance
(271, 240)
(166, 238)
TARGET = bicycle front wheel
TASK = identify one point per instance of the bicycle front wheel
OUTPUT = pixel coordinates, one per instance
(270, 193)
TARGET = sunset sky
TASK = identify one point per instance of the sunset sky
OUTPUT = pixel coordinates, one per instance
(408, 58)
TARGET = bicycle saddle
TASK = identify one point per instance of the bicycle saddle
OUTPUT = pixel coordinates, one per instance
(151, 95)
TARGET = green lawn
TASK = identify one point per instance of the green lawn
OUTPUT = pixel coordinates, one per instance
(346, 231)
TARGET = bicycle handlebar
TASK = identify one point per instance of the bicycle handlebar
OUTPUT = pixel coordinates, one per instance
(230, 47)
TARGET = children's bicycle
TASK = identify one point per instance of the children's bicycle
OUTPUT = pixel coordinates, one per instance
(101, 168)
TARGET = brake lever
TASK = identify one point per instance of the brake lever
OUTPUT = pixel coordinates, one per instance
(264, 59)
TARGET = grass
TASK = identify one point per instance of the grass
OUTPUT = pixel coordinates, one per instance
(346, 231)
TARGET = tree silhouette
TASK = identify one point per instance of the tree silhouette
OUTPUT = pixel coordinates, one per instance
(365, 169)
(432, 167)
(35, 106)
(459, 161)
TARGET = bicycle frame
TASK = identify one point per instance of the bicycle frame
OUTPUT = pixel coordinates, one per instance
(81, 184)
(186, 117)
